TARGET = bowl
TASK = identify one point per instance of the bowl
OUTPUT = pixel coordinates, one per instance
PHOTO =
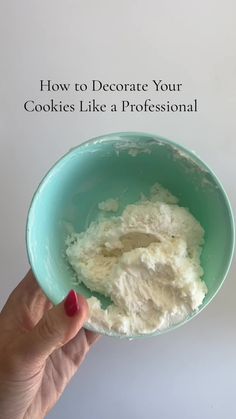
(124, 165)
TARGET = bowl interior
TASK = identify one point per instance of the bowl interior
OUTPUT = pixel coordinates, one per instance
(122, 166)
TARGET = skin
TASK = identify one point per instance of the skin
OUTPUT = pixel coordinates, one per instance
(41, 348)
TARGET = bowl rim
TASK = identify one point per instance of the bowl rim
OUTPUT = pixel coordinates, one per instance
(174, 145)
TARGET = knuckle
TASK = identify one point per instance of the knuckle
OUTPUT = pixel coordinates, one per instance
(48, 329)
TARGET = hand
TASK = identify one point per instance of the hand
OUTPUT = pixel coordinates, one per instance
(41, 348)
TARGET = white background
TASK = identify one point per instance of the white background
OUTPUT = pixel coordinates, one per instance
(189, 373)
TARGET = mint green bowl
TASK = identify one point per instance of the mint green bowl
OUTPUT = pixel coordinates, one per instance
(124, 165)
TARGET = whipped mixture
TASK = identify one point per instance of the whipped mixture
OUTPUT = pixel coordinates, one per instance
(146, 260)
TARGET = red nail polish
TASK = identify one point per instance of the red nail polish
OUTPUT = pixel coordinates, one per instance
(71, 304)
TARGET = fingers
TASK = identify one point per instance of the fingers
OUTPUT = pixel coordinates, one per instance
(92, 337)
(27, 290)
(77, 348)
(57, 327)
(26, 305)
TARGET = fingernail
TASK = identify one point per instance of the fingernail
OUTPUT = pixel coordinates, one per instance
(71, 304)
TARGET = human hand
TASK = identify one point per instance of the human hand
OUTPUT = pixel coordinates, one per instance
(41, 348)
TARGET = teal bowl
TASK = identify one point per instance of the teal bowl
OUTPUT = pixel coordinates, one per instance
(123, 165)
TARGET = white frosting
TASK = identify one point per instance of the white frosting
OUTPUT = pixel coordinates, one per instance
(110, 204)
(146, 261)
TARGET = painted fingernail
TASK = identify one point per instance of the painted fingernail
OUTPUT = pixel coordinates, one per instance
(71, 304)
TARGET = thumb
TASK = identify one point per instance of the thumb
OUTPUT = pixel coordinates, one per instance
(57, 327)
